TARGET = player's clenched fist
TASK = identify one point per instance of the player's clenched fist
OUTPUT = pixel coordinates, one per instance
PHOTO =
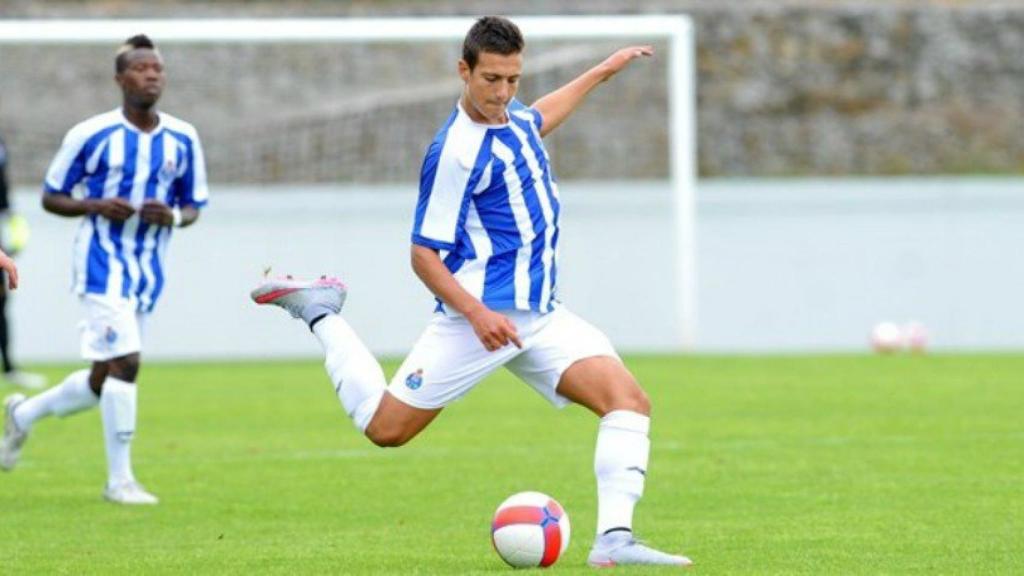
(116, 209)
(494, 330)
(156, 212)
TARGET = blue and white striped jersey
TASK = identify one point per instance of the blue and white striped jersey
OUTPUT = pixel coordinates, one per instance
(489, 202)
(112, 158)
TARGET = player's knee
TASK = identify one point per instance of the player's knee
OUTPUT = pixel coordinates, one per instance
(125, 368)
(632, 398)
(387, 436)
(642, 403)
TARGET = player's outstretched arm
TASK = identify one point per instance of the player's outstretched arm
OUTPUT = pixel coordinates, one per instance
(7, 265)
(493, 329)
(555, 107)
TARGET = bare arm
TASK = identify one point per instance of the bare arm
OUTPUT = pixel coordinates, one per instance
(117, 209)
(555, 107)
(494, 330)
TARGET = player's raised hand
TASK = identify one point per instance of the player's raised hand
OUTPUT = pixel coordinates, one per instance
(156, 212)
(116, 209)
(621, 58)
(493, 329)
(7, 265)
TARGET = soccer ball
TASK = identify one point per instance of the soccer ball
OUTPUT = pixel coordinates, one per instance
(886, 338)
(530, 529)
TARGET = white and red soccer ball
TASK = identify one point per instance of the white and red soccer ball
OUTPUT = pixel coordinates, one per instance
(530, 529)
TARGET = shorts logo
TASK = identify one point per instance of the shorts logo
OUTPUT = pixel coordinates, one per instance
(110, 336)
(415, 380)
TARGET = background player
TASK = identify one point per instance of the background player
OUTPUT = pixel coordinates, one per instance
(484, 242)
(9, 224)
(144, 174)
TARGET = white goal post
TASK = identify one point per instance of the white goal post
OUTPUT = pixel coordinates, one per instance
(676, 30)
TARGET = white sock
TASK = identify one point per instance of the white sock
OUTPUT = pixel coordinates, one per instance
(118, 407)
(620, 464)
(357, 376)
(70, 396)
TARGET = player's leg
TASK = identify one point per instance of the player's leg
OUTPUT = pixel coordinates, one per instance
(119, 412)
(72, 395)
(79, 391)
(356, 375)
(112, 340)
(570, 360)
(360, 385)
(446, 362)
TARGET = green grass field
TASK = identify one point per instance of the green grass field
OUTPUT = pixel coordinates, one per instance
(801, 465)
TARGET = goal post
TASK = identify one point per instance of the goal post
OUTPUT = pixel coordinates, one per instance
(674, 30)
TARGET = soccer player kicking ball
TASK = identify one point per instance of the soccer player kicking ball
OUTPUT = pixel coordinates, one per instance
(484, 242)
(144, 175)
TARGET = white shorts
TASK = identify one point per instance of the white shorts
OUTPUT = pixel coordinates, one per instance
(112, 327)
(448, 359)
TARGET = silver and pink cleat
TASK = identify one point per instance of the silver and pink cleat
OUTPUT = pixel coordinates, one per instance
(306, 299)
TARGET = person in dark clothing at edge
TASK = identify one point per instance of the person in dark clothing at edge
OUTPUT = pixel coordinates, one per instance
(10, 224)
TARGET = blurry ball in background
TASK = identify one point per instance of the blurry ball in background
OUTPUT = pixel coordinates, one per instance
(886, 338)
(915, 337)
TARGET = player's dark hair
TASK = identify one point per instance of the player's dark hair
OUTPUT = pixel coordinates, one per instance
(133, 43)
(492, 34)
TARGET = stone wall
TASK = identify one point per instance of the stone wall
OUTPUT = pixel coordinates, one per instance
(784, 88)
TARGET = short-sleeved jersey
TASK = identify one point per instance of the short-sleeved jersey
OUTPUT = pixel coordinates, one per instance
(489, 203)
(112, 158)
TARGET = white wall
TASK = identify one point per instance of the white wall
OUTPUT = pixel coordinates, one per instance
(361, 235)
(783, 266)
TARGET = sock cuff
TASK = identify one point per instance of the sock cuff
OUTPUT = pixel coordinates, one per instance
(325, 325)
(627, 420)
(118, 384)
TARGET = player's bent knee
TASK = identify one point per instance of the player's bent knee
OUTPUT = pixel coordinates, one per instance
(386, 437)
(632, 398)
(124, 368)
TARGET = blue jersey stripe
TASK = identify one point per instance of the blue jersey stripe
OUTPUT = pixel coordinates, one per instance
(156, 162)
(97, 261)
(496, 214)
(500, 281)
(158, 269)
(124, 190)
(537, 221)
